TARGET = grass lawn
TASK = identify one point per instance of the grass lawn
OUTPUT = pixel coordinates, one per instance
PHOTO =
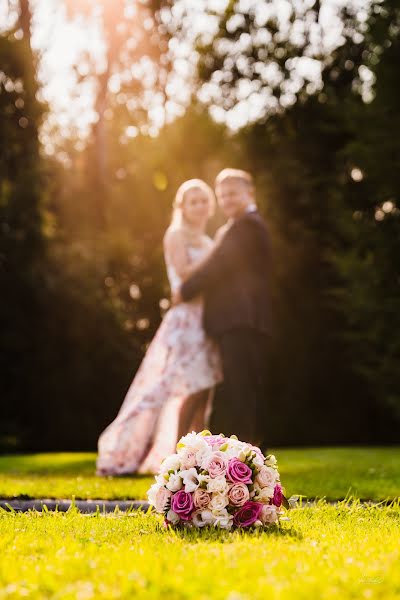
(324, 552)
(334, 473)
(349, 550)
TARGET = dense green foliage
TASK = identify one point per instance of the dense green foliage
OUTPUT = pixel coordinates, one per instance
(367, 261)
(54, 312)
(327, 173)
(21, 240)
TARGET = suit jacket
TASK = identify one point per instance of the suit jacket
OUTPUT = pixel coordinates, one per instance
(234, 279)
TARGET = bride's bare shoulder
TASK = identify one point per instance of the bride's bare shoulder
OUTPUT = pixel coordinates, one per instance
(173, 237)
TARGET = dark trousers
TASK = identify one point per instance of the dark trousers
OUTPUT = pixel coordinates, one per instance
(243, 391)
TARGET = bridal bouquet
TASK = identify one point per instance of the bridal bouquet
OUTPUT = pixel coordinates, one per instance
(219, 481)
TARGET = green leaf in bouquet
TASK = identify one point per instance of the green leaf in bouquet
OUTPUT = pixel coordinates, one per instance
(167, 506)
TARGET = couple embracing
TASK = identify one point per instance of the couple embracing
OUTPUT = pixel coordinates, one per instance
(215, 332)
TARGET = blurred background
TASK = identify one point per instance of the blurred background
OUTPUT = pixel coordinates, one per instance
(105, 108)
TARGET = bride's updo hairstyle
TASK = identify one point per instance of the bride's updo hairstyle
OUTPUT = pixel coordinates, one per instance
(178, 218)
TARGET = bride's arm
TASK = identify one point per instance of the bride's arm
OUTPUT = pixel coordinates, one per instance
(192, 268)
(175, 253)
(210, 247)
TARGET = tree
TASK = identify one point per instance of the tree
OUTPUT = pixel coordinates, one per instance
(55, 313)
(136, 44)
(22, 243)
(368, 262)
(298, 145)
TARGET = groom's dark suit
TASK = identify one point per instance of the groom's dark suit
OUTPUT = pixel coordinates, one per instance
(234, 284)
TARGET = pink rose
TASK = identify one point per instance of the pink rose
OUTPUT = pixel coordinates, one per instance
(216, 465)
(214, 440)
(269, 514)
(238, 472)
(266, 477)
(201, 498)
(188, 458)
(182, 504)
(248, 514)
(238, 494)
(278, 495)
(161, 499)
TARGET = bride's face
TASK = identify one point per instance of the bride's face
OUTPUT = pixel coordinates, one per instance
(196, 207)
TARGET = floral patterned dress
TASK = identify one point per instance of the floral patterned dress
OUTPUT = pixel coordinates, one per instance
(180, 361)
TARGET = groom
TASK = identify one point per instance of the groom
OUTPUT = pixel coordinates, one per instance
(234, 284)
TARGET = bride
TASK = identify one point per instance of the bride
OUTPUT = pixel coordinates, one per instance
(171, 393)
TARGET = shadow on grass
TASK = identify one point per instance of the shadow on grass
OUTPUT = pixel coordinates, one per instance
(209, 534)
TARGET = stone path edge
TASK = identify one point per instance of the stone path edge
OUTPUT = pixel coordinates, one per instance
(84, 506)
(109, 506)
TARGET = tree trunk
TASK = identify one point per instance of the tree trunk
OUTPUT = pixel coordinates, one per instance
(113, 14)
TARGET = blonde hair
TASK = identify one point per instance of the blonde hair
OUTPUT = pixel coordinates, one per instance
(179, 202)
(237, 174)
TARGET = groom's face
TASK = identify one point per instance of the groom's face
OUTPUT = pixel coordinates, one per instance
(234, 196)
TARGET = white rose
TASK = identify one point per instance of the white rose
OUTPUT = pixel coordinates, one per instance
(193, 441)
(172, 517)
(197, 519)
(174, 482)
(162, 478)
(229, 453)
(190, 479)
(266, 477)
(270, 461)
(203, 454)
(218, 502)
(218, 484)
(152, 493)
(222, 519)
(188, 458)
(264, 494)
(269, 514)
(171, 463)
(158, 496)
(200, 518)
(257, 460)
(188, 440)
(267, 493)
(234, 448)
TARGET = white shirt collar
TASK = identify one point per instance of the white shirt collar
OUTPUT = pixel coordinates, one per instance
(250, 209)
